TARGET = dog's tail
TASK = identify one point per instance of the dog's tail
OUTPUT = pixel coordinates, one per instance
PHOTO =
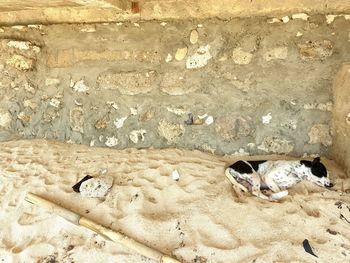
(279, 195)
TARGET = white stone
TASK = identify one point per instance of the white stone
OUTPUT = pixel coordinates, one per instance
(119, 24)
(96, 187)
(137, 24)
(181, 53)
(22, 45)
(267, 118)
(299, 34)
(119, 122)
(78, 102)
(241, 57)
(199, 25)
(175, 175)
(71, 83)
(18, 27)
(111, 141)
(200, 58)
(301, 16)
(330, 18)
(134, 111)
(40, 27)
(168, 58)
(209, 120)
(52, 81)
(163, 24)
(2, 30)
(5, 119)
(80, 86)
(92, 143)
(55, 102)
(285, 19)
(136, 135)
(194, 37)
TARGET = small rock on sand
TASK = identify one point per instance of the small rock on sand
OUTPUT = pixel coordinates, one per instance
(96, 187)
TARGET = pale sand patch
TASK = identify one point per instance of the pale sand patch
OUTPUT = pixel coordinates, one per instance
(197, 218)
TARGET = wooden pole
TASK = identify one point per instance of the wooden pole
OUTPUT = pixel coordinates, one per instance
(99, 229)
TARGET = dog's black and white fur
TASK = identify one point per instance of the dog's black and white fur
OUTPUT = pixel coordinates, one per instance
(276, 176)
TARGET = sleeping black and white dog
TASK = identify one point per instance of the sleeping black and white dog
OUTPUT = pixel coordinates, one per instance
(276, 176)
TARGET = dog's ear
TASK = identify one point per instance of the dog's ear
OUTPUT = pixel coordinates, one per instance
(316, 161)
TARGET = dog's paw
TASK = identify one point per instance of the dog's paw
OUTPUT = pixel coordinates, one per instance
(279, 195)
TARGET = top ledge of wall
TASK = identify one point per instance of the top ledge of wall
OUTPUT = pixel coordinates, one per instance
(16, 12)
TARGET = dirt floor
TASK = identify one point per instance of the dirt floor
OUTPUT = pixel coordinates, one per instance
(195, 219)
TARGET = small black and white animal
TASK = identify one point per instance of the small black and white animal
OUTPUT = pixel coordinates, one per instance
(276, 176)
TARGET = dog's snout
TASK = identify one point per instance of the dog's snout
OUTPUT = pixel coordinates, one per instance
(329, 185)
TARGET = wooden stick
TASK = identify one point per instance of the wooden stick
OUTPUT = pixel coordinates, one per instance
(99, 229)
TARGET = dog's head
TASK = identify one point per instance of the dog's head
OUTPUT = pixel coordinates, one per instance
(316, 172)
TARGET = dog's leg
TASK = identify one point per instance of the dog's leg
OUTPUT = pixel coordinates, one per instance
(270, 182)
(236, 186)
(256, 183)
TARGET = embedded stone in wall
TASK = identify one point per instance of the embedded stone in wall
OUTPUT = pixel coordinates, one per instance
(128, 83)
(50, 114)
(181, 53)
(20, 62)
(178, 83)
(276, 145)
(80, 86)
(241, 57)
(101, 124)
(276, 53)
(320, 133)
(148, 115)
(319, 106)
(136, 135)
(76, 118)
(316, 49)
(170, 131)
(21, 45)
(194, 37)
(52, 81)
(24, 47)
(111, 141)
(30, 104)
(347, 119)
(200, 58)
(5, 119)
(229, 127)
(24, 118)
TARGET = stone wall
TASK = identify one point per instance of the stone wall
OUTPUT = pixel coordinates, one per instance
(250, 85)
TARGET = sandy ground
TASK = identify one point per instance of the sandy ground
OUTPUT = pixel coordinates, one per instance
(196, 219)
